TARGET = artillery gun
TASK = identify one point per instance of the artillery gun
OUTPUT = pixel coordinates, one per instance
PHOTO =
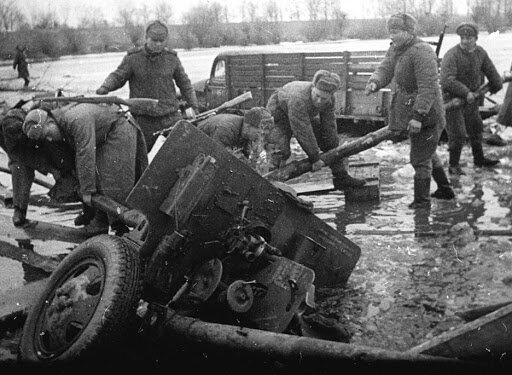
(209, 240)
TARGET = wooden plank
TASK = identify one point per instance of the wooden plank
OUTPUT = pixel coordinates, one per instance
(486, 338)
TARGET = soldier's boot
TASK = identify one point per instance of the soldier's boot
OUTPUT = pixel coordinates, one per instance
(479, 159)
(19, 216)
(343, 180)
(444, 188)
(454, 167)
(421, 193)
(98, 225)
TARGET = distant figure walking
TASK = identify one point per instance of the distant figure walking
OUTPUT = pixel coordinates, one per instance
(20, 62)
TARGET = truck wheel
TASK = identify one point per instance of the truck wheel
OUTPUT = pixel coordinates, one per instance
(87, 306)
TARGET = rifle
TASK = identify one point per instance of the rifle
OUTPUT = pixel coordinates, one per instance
(132, 102)
(204, 115)
(481, 91)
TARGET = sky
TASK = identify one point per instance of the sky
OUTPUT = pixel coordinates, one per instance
(72, 10)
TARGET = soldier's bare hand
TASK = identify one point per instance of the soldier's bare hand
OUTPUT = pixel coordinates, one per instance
(470, 98)
(414, 126)
(317, 165)
(371, 87)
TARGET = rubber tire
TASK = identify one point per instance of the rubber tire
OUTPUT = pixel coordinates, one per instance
(115, 312)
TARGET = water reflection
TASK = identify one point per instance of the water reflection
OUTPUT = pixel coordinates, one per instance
(476, 204)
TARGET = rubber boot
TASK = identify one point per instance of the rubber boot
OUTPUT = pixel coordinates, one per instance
(343, 180)
(19, 216)
(421, 193)
(454, 167)
(478, 156)
(444, 189)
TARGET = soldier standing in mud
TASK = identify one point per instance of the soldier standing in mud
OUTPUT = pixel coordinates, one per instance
(109, 148)
(239, 133)
(20, 62)
(27, 156)
(306, 110)
(417, 105)
(152, 71)
(462, 72)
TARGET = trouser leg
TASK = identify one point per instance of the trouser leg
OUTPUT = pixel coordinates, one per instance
(22, 178)
(479, 159)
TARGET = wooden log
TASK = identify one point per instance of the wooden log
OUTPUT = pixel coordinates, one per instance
(297, 350)
(299, 167)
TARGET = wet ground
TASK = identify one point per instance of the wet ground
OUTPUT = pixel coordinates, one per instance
(414, 274)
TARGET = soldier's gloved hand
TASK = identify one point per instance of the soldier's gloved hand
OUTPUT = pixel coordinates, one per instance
(371, 87)
(471, 97)
(102, 91)
(317, 165)
(414, 126)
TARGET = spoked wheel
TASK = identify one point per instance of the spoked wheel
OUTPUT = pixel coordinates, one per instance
(88, 303)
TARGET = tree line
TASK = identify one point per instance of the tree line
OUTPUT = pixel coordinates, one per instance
(210, 24)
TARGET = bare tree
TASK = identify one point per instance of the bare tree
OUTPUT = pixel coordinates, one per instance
(163, 11)
(10, 16)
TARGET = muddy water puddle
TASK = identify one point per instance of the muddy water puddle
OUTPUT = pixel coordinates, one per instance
(413, 277)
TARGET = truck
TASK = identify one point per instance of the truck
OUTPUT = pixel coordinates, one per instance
(261, 72)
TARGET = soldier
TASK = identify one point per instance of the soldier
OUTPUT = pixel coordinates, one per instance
(306, 110)
(20, 62)
(417, 105)
(109, 147)
(27, 156)
(462, 71)
(238, 132)
(152, 71)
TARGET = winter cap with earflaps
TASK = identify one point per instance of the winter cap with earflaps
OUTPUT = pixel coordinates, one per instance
(467, 29)
(326, 81)
(257, 117)
(34, 122)
(156, 30)
(402, 21)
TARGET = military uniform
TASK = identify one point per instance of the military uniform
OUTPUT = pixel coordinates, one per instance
(20, 62)
(416, 95)
(110, 151)
(153, 75)
(463, 72)
(226, 129)
(313, 127)
(27, 156)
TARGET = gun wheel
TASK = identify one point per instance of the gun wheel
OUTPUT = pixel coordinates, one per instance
(88, 303)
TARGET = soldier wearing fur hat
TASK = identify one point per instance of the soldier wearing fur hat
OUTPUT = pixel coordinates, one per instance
(236, 132)
(463, 69)
(153, 71)
(305, 110)
(109, 148)
(417, 106)
(27, 156)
